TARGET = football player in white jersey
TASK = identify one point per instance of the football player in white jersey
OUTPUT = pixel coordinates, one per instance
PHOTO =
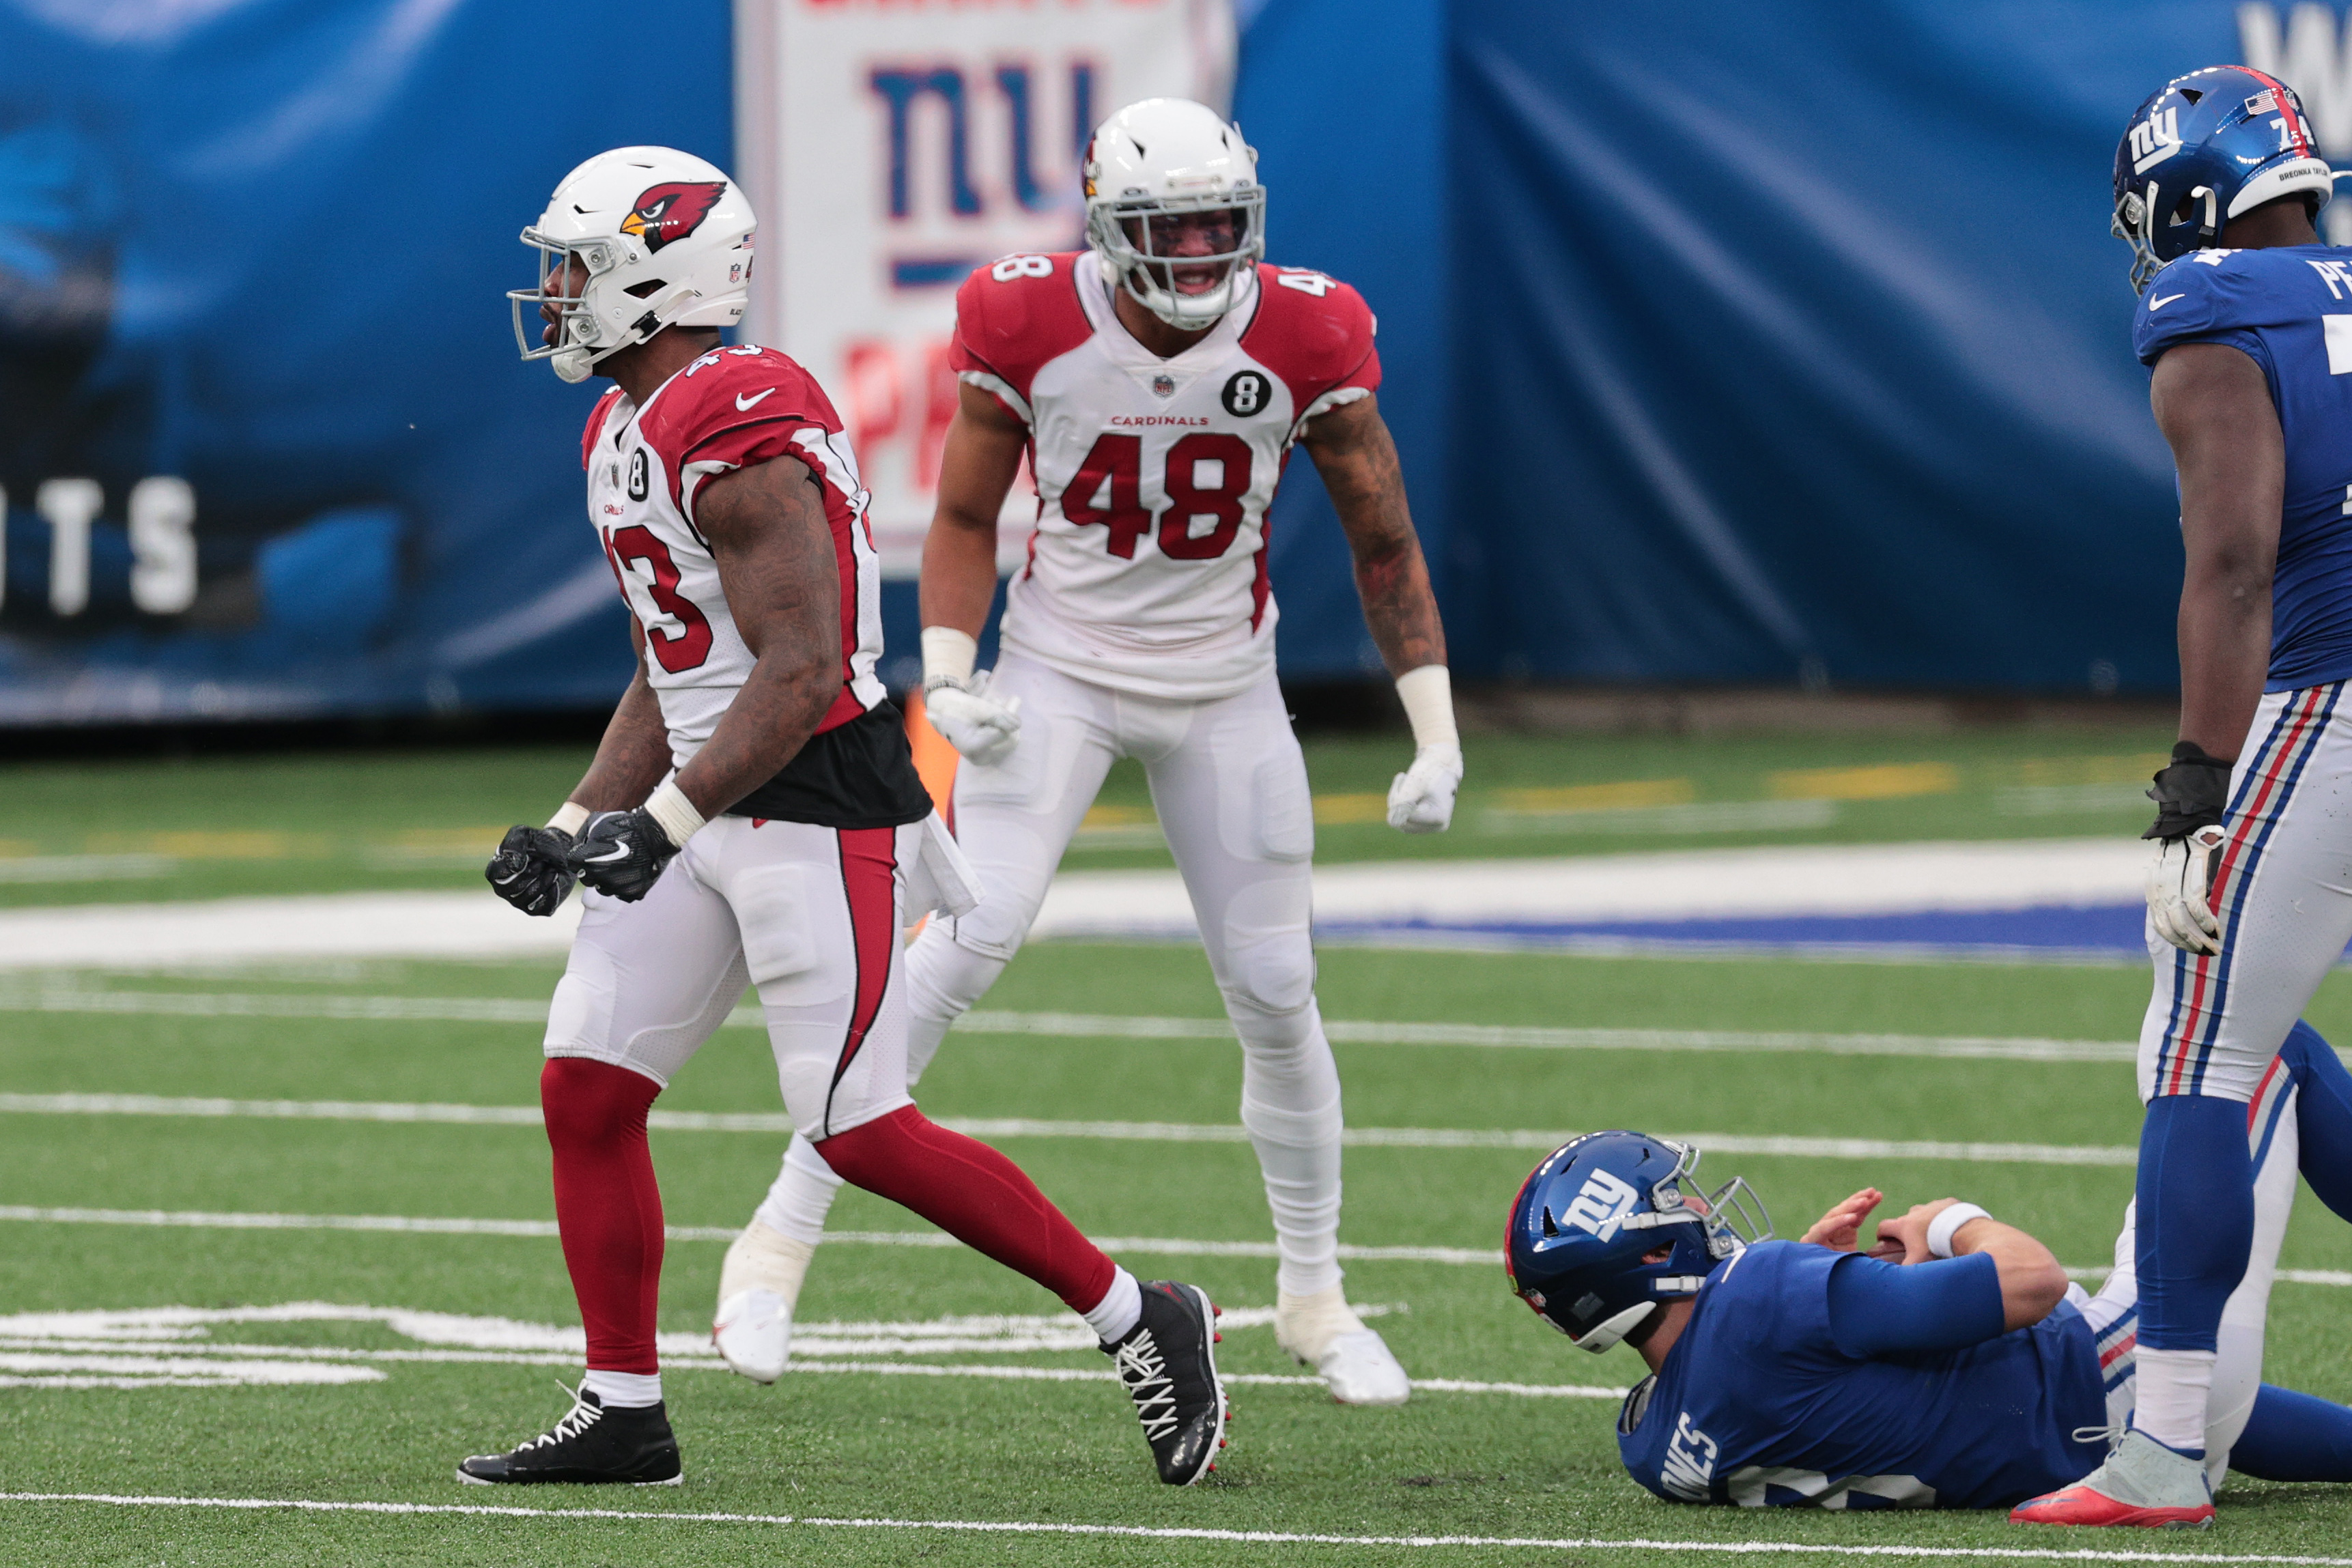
(752, 817)
(1157, 381)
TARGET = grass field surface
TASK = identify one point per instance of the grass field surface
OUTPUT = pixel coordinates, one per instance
(360, 1136)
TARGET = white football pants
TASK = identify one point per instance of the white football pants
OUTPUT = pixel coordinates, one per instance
(2274, 1139)
(2282, 892)
(1229, 785)
(811, 915)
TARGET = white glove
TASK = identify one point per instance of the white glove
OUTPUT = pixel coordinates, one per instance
(1421, 799)
(980, 727)
(2180, 881)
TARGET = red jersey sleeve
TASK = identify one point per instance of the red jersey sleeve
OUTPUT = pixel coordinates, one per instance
(1012, 316)
(1316, 333)
(596, 427)
(733, 409)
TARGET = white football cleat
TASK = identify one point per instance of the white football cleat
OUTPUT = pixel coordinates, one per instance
(1322, 1331)
(759, 1285)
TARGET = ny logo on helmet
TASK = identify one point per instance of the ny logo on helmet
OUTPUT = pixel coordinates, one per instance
(1600, 1204)
(2154, 138)
(673, 211)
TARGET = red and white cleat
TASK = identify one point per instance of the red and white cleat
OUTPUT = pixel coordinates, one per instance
(2143, 1483)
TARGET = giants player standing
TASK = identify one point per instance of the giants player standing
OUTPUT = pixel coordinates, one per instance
(2216, 182)
(753, 816)
(1157, 381)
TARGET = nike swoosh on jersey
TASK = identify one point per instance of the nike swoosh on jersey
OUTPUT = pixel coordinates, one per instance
(2153, 305)
(743, 403)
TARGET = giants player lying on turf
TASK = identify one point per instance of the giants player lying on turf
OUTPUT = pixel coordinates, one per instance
(752, 817)
(1157, 381)
(1951, 1365)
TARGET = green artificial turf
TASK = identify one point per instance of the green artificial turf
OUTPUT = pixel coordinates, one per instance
(857, 1446)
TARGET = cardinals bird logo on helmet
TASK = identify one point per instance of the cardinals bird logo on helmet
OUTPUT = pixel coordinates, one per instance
(673, 211)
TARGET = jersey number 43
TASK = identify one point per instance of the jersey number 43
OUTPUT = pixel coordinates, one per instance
(1208, 475)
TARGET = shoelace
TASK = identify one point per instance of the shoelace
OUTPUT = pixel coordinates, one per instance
(1140, 1366)
(2113, 1435)
(581, 1416)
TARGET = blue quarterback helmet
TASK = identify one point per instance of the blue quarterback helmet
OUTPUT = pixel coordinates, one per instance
(2206, 148)
(1585, 1221)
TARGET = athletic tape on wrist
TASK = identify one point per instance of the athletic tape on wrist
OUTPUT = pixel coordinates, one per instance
(1427, 693)
(571, 818)
(676, 813)
(947, 656)
(1941, 1229)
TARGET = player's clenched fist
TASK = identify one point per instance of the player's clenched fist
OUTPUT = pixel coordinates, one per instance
(2189, 794)
(622, 854)
(531, 870)
(1421, 801)
(981, 727)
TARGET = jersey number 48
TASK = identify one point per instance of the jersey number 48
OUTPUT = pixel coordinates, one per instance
(1207, 475)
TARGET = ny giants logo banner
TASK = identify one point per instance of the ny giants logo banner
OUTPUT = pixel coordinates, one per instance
(892, 146)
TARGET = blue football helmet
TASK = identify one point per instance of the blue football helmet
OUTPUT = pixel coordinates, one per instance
(2202, 150)
(1585, 1221)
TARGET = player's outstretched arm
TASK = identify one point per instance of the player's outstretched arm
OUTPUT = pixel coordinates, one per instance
(1358, 460)
(2214, 407)
(774, 550)
(982, 455)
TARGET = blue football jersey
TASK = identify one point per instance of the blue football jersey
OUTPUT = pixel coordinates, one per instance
(2289, 308)
(1756, 1404)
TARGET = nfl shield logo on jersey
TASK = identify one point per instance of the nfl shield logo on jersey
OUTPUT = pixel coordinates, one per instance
(1163, 386)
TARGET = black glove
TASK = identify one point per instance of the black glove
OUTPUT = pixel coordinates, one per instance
(2189, 794)
(622, 854)
(531, 870)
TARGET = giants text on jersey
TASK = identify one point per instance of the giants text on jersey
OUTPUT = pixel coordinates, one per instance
(730, 409)
(1146, 568)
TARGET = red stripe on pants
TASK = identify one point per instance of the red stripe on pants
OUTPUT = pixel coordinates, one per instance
(870, 868)
(607, 1207)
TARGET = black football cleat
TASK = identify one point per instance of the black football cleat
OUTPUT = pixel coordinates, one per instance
(1168, 1364)
(592, 1445)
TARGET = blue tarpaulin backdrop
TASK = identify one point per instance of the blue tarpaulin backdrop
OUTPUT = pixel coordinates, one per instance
(1761, 342)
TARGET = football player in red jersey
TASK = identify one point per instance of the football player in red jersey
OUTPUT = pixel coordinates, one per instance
(752, 817)
(1156, 382)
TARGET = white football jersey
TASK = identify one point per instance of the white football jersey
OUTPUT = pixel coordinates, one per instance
(1147, 567)
(729, 409)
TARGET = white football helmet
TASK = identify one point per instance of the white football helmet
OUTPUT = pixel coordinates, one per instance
(1171, 155)
(666, 240)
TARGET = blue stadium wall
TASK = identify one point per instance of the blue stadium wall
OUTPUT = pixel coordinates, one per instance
(1724, 343)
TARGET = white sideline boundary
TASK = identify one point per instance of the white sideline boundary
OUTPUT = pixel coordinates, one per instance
(1029, 1127)
(2022, 1554)
(1164, 1246)
(18, 998)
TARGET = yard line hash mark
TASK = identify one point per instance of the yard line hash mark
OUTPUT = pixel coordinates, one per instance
(1030, 1127)
(2053, 1553)
(1342, 1031)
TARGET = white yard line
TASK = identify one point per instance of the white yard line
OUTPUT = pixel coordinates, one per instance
(1028, 1127)
(1174, 1247)
(21, 998)
(2058, 1551)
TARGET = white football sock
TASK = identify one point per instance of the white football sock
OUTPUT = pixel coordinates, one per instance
(2169, 1395)
(1290, 1108)
(624, 1390)
(1114, 1316)
(801, 1195)
(944, 981)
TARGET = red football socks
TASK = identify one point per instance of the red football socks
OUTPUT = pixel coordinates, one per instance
(607, 1204)
(975, 1195)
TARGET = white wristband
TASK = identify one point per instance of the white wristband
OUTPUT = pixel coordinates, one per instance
(570, 820)
(668, 806)
(1940, 1229)
(947, 656)
(1427, 693)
